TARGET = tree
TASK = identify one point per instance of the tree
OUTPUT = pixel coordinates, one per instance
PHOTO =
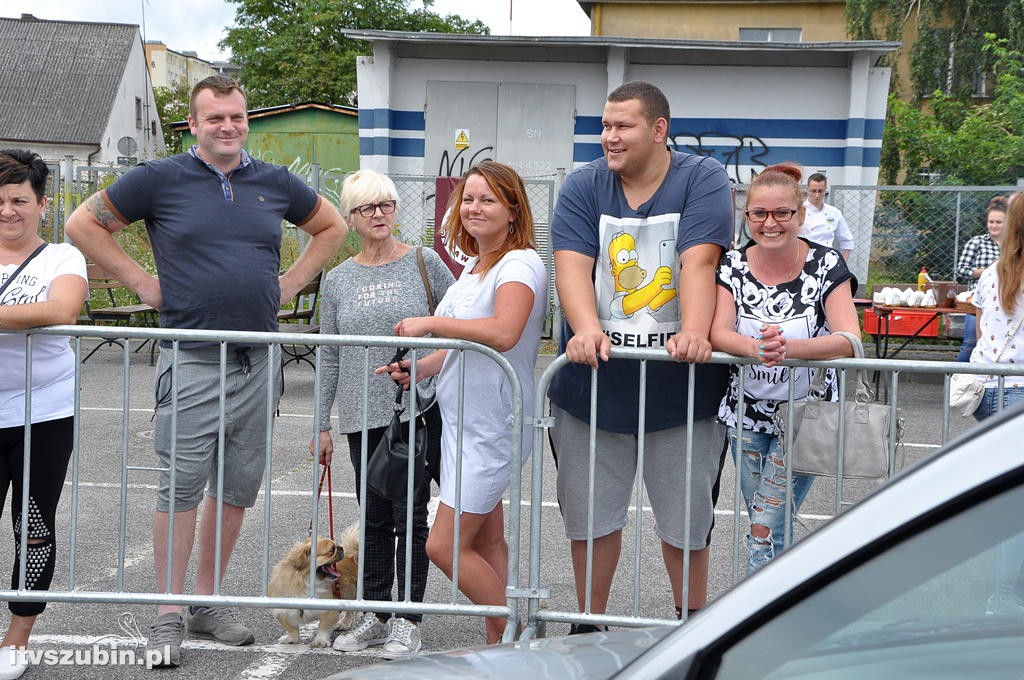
(951, 67)
(979, 144)
(293, 50)
(172, 106)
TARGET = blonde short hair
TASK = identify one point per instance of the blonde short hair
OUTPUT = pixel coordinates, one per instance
(366, 186)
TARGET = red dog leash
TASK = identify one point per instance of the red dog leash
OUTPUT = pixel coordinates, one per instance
(330, 500)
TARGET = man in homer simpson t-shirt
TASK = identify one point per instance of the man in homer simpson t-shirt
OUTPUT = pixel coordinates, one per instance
(637, 236)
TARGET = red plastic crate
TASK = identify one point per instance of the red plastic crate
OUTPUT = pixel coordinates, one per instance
(904, 323)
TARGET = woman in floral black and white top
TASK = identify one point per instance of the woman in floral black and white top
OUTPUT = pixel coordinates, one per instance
(779, 296)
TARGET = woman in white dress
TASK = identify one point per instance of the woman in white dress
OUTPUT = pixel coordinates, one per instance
(497, 301)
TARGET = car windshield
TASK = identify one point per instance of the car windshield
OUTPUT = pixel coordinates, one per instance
(943, 603)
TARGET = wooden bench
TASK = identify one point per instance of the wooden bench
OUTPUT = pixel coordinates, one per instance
(301, 318)
(122, 315)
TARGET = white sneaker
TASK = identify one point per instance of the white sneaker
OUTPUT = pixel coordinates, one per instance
(367, 632)
(404, 640)
(12, 664)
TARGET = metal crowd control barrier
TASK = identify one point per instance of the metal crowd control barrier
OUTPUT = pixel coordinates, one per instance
(538, 617)
(274, 340)
(534, 592)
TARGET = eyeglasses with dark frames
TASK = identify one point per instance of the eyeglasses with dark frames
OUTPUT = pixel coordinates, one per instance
(779, 215)
(367, 210)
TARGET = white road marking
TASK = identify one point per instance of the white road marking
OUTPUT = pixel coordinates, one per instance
(149, 411)
(266, 666)
(297, 493)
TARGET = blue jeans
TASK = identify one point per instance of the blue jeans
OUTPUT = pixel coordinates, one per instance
(970, 338)
(761, 472)
(1009, 593)
(987, 407)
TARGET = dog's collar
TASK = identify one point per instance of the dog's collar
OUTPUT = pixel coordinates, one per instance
(337, 590)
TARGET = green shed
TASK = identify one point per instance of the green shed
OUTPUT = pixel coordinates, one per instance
(297, 135)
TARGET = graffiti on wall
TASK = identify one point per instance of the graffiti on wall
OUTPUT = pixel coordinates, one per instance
(741, 150)
(455, 166)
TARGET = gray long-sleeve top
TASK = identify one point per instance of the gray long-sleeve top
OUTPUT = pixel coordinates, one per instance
(359, 299)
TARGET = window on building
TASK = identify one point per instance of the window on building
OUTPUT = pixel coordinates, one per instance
(981, 88)
(138, 113)
(771, 34)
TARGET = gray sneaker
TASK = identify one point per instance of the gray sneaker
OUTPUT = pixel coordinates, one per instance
(367, 632)
(404, 640)
(165, 636)
(220, 624)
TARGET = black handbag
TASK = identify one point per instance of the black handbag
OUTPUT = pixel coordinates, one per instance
(387, 471)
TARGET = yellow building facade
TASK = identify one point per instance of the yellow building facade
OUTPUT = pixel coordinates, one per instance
(819, 21)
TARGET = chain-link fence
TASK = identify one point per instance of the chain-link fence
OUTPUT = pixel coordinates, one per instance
(898, 230)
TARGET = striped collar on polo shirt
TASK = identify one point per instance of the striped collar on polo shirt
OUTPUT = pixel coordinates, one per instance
(225, 183)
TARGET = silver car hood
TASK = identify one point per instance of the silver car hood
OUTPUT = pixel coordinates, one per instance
(593, 656)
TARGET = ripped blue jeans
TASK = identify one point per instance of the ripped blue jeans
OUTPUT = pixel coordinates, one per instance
(761, 472)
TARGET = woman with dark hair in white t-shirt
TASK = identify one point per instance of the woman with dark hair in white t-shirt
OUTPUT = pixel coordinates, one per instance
(49, 289)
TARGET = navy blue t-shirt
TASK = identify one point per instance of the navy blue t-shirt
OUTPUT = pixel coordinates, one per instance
(630, 247)
(217, 250)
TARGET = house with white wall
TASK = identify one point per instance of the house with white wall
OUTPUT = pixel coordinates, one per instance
(74, 88)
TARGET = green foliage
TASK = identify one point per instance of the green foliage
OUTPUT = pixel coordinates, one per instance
(950, 57)
(172, 106)
(981, 144)
(293, 50)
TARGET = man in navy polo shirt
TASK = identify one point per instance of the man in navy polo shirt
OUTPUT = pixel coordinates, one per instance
(214, 218)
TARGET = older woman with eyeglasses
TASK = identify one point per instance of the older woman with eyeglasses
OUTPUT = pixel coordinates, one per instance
(779, 297)
(367, 295)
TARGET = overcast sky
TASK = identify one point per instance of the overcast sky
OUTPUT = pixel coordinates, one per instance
(198, 25)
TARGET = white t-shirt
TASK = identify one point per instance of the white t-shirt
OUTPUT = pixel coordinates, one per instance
(995, 324)
(53, 362)
(487, 455)
(825, 225)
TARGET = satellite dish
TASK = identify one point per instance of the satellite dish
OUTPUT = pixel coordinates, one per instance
(127, 146)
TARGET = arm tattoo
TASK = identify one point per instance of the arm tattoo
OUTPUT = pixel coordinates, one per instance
(102, 213)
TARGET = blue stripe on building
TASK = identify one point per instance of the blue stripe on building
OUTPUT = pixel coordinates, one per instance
(391, 146)
(744, 128)
(391, 120)
(873, 128)
(758, 155)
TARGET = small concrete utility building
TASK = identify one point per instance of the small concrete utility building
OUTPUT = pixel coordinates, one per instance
(433, 104)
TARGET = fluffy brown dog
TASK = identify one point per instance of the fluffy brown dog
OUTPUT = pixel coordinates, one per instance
(336, 568)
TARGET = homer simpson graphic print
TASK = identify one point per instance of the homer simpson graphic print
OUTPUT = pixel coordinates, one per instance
(637, 280)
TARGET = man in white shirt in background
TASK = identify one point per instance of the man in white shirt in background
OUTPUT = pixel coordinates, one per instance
(823, 222)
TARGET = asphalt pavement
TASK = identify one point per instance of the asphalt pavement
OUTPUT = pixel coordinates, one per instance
(81, 628)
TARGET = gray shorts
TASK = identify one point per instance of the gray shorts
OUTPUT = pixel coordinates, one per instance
(616, 467)
(198, 424)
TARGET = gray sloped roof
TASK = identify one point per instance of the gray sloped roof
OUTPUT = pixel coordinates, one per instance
(59, 78)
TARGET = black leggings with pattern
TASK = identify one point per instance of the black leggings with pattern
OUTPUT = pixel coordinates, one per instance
(51, 450)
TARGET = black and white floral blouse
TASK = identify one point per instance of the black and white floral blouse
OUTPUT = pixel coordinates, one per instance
(798, 307)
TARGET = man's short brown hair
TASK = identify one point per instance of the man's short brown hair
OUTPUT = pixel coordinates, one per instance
(222, 85)
(653, 103)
